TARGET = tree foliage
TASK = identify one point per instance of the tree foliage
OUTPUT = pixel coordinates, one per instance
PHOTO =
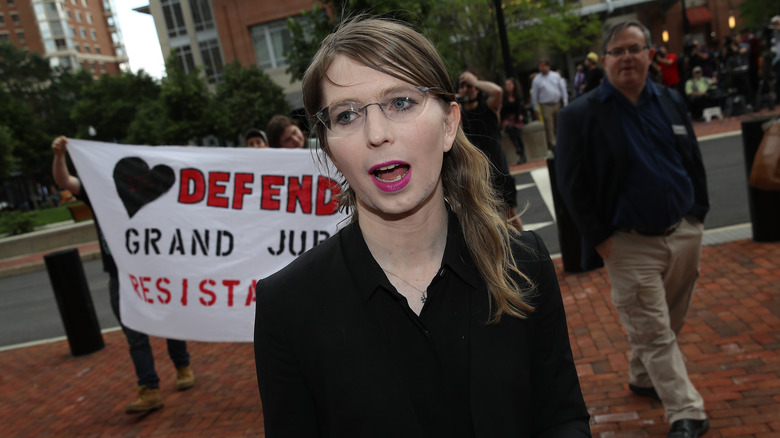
(245, 98)
(307, 33)
(465, 32)
(757, 13)
(110, 104)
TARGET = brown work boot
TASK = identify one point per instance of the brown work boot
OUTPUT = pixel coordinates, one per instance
(148, 399)
(185, 378)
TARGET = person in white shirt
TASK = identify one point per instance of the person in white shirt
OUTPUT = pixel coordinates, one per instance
(547, 93)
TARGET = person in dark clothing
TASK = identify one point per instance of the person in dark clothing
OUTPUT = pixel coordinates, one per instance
(149, 397)
(630, 172)
(480, 102)
(593, 73)
(513, 116)
(428, 315)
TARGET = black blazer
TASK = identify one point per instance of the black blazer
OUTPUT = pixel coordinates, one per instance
(324, 372)
(590, 164)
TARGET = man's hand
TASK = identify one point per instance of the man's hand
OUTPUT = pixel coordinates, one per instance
(605, 248)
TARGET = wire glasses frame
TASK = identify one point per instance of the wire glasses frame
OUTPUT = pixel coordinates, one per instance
(620, 51)
(401, 105)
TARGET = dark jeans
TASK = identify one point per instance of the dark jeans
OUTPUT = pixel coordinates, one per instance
(141, 350)
(516, 135)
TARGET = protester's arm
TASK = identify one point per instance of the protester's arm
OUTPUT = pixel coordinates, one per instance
(494, 92)
(59, 168)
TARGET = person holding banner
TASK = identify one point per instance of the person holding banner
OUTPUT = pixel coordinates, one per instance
(149, 397)
(427, 315)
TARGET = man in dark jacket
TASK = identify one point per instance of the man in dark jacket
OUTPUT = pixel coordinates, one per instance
(630, 171)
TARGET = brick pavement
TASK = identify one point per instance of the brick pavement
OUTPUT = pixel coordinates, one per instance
(731, 341)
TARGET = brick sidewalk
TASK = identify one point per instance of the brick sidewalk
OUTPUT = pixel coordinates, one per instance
(731, 341)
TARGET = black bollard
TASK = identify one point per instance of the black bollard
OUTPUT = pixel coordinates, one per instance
(764, 204)
(74, 301)
(569, 237)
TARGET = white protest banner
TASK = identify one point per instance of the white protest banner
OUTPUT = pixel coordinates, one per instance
(192, 229)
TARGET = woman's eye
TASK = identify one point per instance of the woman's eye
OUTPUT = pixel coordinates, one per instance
(345, 117)
(401, 103)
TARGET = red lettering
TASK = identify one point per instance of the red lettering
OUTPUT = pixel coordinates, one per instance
(240, 189)
(328, 191)
(145, 289)
(269, 200)
(216, 189)
(134, 282)
(184, 292)
(208, 292)
(230, 284)
(164, 291)
(192, 186)
(299, 191)
(251, 295)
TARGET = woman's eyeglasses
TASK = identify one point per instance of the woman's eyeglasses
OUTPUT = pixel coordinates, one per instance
(399, 105)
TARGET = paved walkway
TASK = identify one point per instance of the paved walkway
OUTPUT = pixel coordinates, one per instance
(731, 342)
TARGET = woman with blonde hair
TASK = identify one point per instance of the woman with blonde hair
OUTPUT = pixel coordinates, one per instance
(427, 315)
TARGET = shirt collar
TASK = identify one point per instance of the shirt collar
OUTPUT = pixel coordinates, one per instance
(368, 275)
(608, 90)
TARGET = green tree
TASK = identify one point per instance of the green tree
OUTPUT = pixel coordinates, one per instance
(464, 31)
(315, 25)
(758, 12)
(180, 116)
(7, 146)
(246, 98)
(110, 104)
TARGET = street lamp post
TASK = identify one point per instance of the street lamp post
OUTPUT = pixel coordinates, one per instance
(508, 68)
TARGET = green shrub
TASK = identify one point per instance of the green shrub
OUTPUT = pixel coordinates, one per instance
(15, 222)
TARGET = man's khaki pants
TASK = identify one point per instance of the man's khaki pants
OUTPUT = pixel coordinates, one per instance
(550, 119)
(652, 285)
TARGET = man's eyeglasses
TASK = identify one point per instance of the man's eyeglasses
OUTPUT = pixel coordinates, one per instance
(620, 51)
(401, 105)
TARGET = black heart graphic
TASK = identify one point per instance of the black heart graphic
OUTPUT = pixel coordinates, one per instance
(137, 185)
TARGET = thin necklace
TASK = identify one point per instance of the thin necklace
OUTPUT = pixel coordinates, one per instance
(424, 296)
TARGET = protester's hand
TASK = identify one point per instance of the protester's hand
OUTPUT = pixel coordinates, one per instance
(59, 145)
(469, 78)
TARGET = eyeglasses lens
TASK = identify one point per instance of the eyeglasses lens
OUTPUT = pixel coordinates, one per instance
(399, 105)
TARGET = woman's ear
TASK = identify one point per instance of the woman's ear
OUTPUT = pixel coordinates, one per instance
(451, 124)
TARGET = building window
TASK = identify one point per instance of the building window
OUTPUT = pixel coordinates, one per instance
(20, 37)
(212, 60)
(97, 50)
(2, 20)
(89, 18)
(106, 5)
(15, 18)
(87, 49)
(56, 29)
(102, 67)
(61, 43)
(93, 34)
(201, 15)
(73, 32)
(174, 18)
(76, 46)
(4, 37)
(110, 21)
(83, 33)
(270, 41)
(78, 16)
(184, 57)
(11, 2)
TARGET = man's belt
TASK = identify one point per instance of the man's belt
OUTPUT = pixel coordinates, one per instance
(654, 233)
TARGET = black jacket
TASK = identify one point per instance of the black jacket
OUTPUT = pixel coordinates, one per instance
(323, 370)
(590, 164)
